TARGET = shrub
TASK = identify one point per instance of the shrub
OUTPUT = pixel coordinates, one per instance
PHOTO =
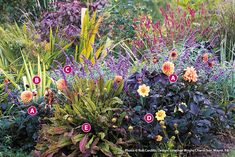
(18, 129)
(189, 111)
(66, 18)
(13, 10)
(193, 112)
(177, 25)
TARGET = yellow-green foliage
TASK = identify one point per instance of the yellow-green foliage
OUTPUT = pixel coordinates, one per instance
(14, 39)
(38, 69)
(89, 30)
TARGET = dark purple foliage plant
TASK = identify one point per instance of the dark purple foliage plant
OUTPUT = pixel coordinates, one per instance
(66, 20)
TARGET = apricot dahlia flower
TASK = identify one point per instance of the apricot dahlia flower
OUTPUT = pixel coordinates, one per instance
(118, 78)
(61, 84)
(190, 74)
(158, 138)
(26, 96)
(205, 57)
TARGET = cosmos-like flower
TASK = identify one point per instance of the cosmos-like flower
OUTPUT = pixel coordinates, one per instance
(190, 74)
(61, 84)
(143, 90)
(168, 68)
(26, 96)
(160, 115)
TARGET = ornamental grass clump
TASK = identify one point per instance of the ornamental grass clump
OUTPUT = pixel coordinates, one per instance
(88, 101)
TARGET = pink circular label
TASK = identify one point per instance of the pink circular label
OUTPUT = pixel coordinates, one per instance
(148, 118)
(36, 79)
(67, 69)
(86, 127)
(173, 78)
(32, 110)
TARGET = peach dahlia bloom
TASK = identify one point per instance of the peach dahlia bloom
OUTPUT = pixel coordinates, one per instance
(118, 78)
(190, 74)
(61, 84)
(205, 57)
(26, 96)
(158, 138)
(168, 68)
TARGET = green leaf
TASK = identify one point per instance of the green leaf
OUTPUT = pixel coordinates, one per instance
(101, 85)
(101, 135)
(119, 88)
(76, 138)
(104, 147)
(89, 103)
(109, 85)
(64, 141)
(57, 130)
(90, 142)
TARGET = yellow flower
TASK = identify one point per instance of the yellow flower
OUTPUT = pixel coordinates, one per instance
(160, 115)
(26, 96)
(190, 74)
(168, 68)
(61, 84)
(143, 90)
(158, 138)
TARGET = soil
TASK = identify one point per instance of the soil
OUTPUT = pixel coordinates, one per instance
(228, 141)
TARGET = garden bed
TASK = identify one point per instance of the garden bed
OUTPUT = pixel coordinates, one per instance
(116, 78)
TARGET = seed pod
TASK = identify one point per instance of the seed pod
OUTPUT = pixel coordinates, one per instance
(130, 128)
(162, 123)
(176, 132)
(114, 120)
(114, 126)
